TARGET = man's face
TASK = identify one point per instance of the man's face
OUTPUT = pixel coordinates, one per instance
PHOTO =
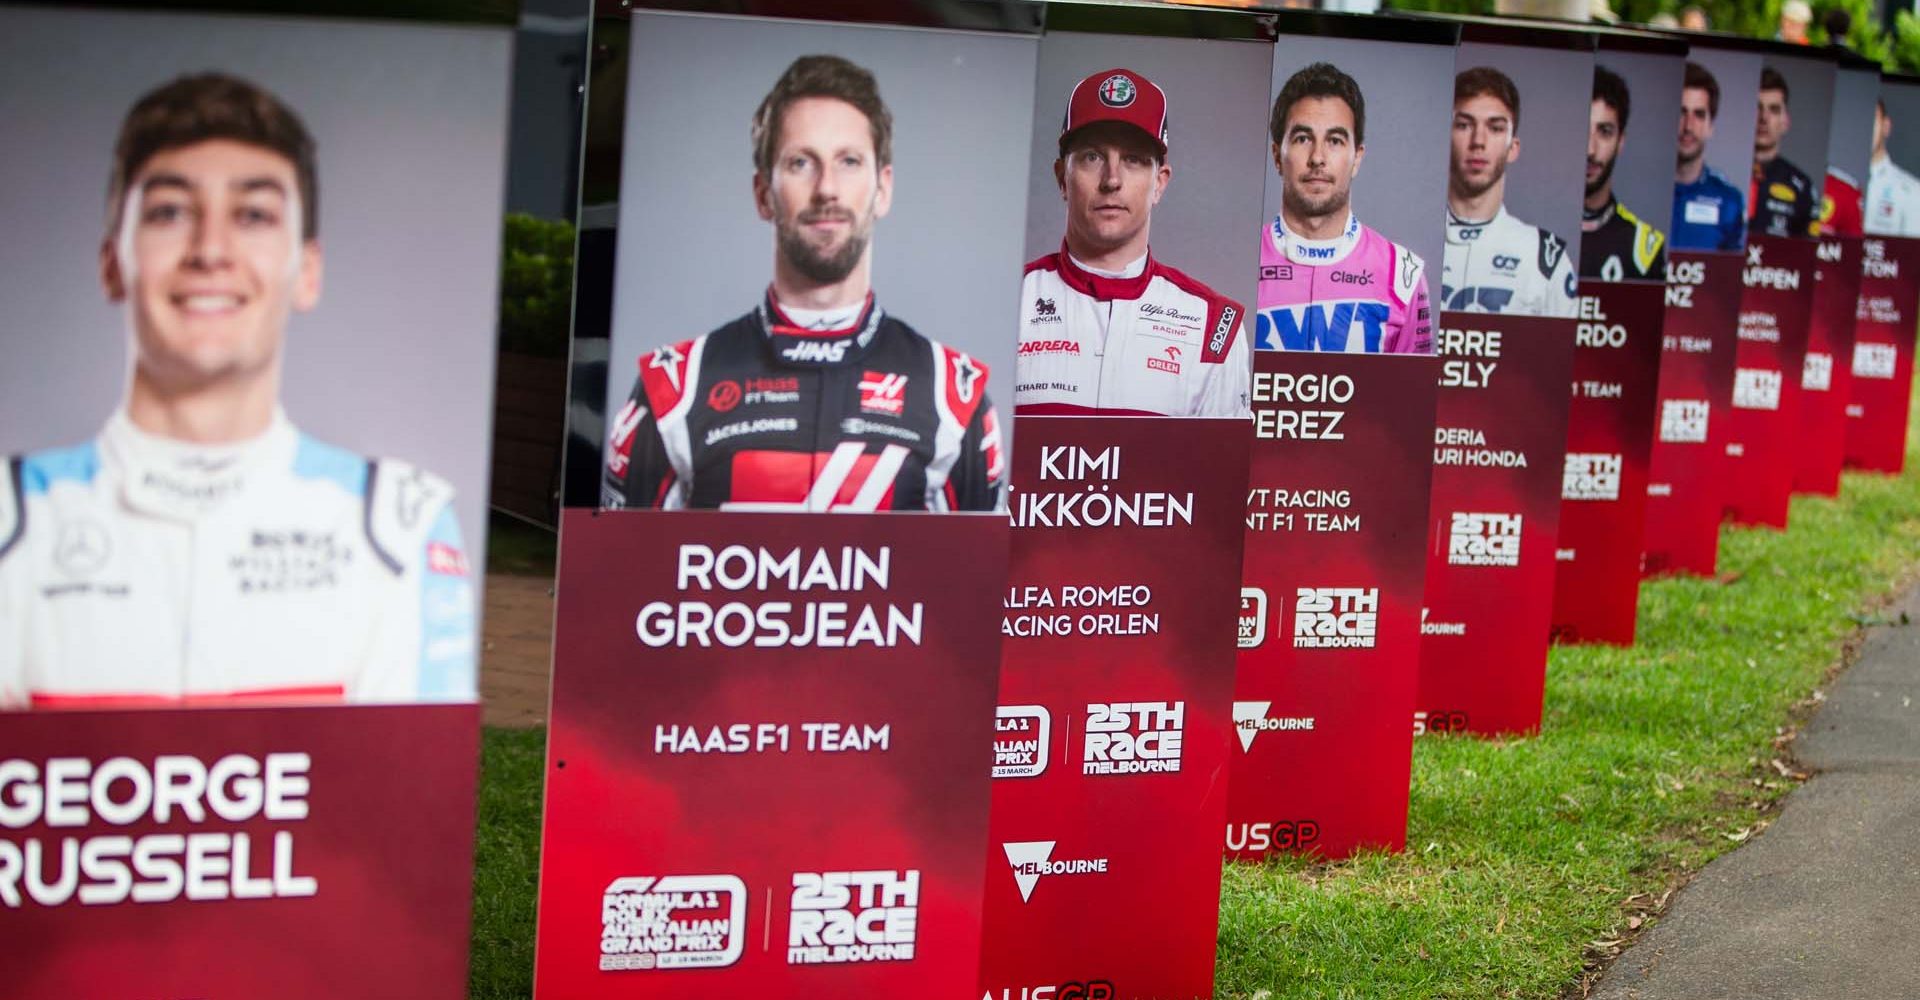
(209, 261)
(1604, 137)
(824, 189)
(1317, 156)
(1772, 125)
(1111, 178)
(1696, 123)
(1882, 127)
(1483, 144)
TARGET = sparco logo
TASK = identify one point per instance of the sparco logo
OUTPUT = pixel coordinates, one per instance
(840, 917)
(1351, 277)
(1253, 617)
(1591, 476)
(1073, 989)
(1021, 735)
(817, 351)
(1125, 737)
(1250, 719)
(1223, 329)
(1034, 858)
(1683, 421)
(1335, 617)
(1476, 539)
(676, 922)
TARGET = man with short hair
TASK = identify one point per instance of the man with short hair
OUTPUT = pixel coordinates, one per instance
(1495, 262)
(202, 550)
(816, 400)
(1328, 283)
(1105, 326)
(1782, 195)
(1893, 195)
(1615, 245)
(1709, 213)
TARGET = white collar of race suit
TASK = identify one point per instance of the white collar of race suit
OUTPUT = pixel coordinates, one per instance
(187, 481)
(1300, 250)
(1466, 231)
(1134, 269)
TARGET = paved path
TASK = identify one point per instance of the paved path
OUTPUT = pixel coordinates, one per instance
(1825, 904)
(517, 649)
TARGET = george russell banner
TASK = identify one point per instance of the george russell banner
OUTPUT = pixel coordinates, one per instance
(1882, 366)
(767, 761)
(1820, 434)
(1686, 471)
(1112, 738)
(238, 852)
(1774, 313)
(1330, 606)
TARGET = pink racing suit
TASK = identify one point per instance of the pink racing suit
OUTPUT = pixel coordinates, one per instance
(1358, 293)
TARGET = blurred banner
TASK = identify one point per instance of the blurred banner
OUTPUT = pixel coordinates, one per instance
(1882, 363)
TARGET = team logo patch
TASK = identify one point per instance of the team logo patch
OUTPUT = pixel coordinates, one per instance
(883, 392)
(1782, 192)
(1222, 330)
(724, 396)
(1117, 91)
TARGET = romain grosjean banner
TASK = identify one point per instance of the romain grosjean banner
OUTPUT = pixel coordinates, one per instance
(1499, 443)
(1116, 707)
(238, 852)
(1686, 479)
(766, 762)
(1826, 376)
(1603, 489)
(1774, 312)
(1335, 521)
(1882, 366)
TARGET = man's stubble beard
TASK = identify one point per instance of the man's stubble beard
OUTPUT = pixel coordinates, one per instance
(1299, 206)
(826, 268)
(1605, 178)
(1466, 189)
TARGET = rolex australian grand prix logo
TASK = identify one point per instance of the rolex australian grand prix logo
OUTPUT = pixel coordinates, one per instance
(1117, 91)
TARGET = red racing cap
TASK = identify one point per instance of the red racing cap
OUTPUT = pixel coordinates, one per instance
(1118, 95)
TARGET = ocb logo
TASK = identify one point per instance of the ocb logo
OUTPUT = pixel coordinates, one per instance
(1478, 539)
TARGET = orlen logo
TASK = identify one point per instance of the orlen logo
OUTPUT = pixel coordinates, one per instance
(840, 917)
(1170, 363)
(1126, 737)
(1092, 989)
(1591, 476)
(1250, 719)
(1335, 617)
(1253, 617)
(1477, 539)
(676, 922)
(1279, 835)
(1033, 858)
(1021, 734)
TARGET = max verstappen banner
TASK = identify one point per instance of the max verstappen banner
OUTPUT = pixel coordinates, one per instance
(1112, 736)
(1329, 610)
(1686, 479)
(1882, 367)
(1826, 381)
(768, 773)
(1498, 448)
(1603, 491)
(286, 852)
(1774, 312)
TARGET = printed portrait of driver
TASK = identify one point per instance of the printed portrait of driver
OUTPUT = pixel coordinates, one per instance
(201, 550)
(816, 399)
(1494, 262)
(1615, 245)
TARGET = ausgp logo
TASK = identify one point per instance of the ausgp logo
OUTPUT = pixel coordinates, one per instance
(1335, 617)
(1477, 539)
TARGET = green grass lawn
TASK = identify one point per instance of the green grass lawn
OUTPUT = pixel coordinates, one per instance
(1527, 859)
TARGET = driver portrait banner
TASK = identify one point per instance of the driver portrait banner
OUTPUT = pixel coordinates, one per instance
(1686, 480)
(1882, 364)
(767, 767)
(1820, 432)
(1329, 626)
(1113, 732)
(1775, 309)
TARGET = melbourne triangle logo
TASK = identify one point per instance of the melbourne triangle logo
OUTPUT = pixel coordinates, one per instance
(1033, 858)
(1247, 719)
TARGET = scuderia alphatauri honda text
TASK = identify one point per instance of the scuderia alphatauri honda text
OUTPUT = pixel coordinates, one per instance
(765, 414)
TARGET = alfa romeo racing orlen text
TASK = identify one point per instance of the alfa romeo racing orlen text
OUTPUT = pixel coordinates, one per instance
(198, 863)
(827, 624)
(1133, 737)
(853, 916)
(676, 922)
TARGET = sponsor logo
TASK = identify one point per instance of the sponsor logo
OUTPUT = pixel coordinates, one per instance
(1133, 737)
(1874, 360)
(1044, 308)
(1170, 363)
(1335, 617)
(1033, 859)
(1702, 212)
(1468, 232)
(1439, 628)
(446, 560)
(1154, 310)
(279, 562)
(82, 548)
(1049, 347)
(772, 389)
(1477, 539)
(842, 917)
(676, 922)
(1278, 835)
(1683, 421)
(855, 426)
(620, 443)
(883, 392)
(830, 352)
(1223, 329)
(1250, 719)
(1117, 91)
(1340, 277)
(1021, 734)
(761, 425)
(965, 374)
(1253, 617)
(724, 396)
(1783, 192)
(1282, 272)
(1591, 476)
(1756, 389)
(1506, 263)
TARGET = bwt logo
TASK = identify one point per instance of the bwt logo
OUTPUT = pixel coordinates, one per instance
(1033, 858)
(867, 916)
(1484, 540)
(1020, 738)
(1335, 617)
(1756, 389)
(676, 922)
(1280, 835)
(1253, 617)
(1092, 989)
(1126, 737)
(1591, 476)
(1684, 421)
(1250, 719)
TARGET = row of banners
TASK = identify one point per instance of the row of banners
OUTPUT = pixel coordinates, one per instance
(1000, 754)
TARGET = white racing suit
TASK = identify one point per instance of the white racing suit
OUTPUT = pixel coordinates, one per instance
(1503, 265)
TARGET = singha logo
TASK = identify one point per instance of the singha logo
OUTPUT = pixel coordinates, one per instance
(1043, 307)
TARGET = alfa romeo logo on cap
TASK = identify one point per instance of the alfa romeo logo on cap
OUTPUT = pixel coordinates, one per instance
(1117, 91)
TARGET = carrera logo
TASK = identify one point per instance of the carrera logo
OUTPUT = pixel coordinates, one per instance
(1034, 858)
(1021, 734)
(1335, 617)
(724, 396)
(1222, 330)
(881, 392)
(1756, 389)
(1170, 363)
(1683, 421)
(1250, 719)
(842, 917)
(1476, 539)
(446, 560)
(1591, 476)
(676, 922)
(1253, 617)
(1049, 347)
(1133, 737)
(816, 351)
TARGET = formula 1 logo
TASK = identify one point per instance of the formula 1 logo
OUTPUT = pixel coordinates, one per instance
(1477, 539)
(1591, 476)
(863, 916)
(1756, 389)
(1021, 735)
(1683, 421)
(1133, 737)
(883, 392)
(676, 922)
(1253, 617)
(1033, 858)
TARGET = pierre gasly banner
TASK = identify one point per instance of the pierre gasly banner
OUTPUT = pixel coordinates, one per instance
(1603, 488)
(1330, 603)
(1882, 367)
(1499, 441)
(1774, 312)
(1112, 735)
(237, 852)
(1692, 421)
(766, 763)
(1826, 380)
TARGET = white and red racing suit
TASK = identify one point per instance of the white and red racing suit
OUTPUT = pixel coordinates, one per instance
(1358, 293)
(140, 570)
(1145, 340)
(770, 412)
